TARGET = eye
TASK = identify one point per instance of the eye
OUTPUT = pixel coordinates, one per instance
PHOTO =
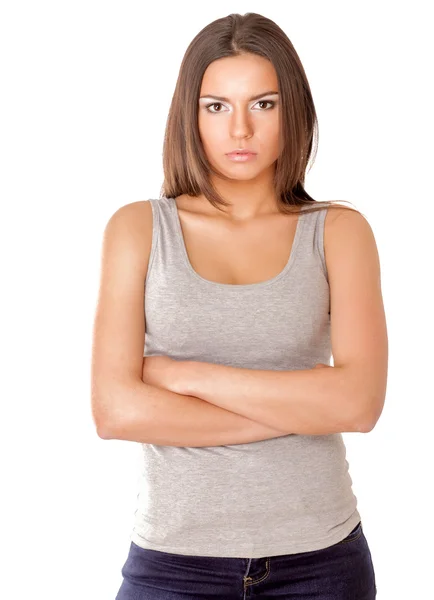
(267, 102)
(213, 104)
(220, 104)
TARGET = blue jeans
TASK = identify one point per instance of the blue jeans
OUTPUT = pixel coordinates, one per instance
(343, 571)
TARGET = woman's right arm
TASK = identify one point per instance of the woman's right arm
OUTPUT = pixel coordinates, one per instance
(123, 406)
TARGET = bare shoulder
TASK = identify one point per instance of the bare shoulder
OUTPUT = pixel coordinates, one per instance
(129, 232)
(338, 212)
(349, 243)
(342, 223)
(134, 215)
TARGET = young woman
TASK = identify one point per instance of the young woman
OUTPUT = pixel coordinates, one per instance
(246, 286)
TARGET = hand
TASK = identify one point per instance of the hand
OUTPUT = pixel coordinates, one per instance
(321, 365)
(162, 372)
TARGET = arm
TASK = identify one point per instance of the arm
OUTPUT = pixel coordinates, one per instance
(312, 402)
(123, 407)
(346, 397)
(153, 415)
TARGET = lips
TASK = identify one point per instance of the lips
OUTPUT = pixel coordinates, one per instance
(242, 152)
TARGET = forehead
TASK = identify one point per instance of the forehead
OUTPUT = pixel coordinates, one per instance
(239, 76)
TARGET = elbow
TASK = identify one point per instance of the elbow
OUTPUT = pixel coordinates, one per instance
(101, 427)
(100, 416)
(114, 430)
(108, 427)
(103, 432)
(362, 396)
(368, 416)
(107, 412)
(362, 427)
(120, 412)
(360, 424)
(366, 427)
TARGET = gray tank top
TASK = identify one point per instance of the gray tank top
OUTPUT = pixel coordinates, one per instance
(266, 498)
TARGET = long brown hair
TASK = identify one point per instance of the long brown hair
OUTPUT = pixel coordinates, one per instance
(185, 164)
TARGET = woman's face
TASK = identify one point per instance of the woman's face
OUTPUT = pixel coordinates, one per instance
(240, 121)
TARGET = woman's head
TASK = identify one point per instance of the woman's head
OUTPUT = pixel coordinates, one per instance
(237, 57)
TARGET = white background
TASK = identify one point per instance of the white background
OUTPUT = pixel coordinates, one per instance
(86, 88)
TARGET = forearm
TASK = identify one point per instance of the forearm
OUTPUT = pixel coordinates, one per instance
(152, 415)
(312, 401)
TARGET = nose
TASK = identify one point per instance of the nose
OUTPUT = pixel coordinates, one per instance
(240, 124)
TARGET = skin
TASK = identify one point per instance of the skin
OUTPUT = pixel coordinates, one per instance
(173, 375)
(253, 124)
(223, 127)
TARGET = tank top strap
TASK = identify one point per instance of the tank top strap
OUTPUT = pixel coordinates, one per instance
(312, 240)
(168, 252)
(156, 226)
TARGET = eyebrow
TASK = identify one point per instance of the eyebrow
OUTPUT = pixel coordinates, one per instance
(223, 99)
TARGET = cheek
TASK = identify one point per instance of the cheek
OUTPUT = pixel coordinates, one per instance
(269, 136)
(270, 128)
(212, 134)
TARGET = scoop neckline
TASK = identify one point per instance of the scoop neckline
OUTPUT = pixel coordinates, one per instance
(236, 286)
